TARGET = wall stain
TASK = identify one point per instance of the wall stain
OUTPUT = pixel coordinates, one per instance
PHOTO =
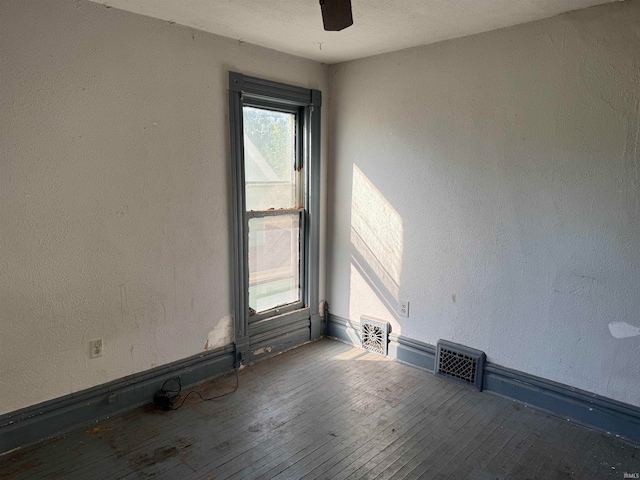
(121, 212)
(576, 285)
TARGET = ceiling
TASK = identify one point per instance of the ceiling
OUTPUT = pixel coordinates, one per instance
(295, 26)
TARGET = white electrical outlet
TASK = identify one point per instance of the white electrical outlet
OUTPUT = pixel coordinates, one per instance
(96, 348)
(403, 308)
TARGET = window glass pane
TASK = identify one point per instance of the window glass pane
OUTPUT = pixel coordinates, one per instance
(274, 258)
(269, 153)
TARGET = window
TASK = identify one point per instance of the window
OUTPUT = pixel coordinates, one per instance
(275, 150)
(275, 208)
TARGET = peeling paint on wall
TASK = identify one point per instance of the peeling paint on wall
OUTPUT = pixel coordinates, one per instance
(623, 330)
(222, 333)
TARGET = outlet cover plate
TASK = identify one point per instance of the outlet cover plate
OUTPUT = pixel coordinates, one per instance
(403, 308)
(96, 348)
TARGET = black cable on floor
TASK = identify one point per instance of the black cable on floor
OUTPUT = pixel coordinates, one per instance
(164, 399)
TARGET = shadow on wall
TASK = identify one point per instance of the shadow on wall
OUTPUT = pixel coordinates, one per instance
(376, 253)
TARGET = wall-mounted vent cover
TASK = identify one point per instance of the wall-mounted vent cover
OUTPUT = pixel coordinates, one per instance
(459, 363)
(374, 335)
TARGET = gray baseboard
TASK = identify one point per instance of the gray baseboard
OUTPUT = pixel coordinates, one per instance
(278, 340)
(412, 352)
(582, 407)
(344, 330)
(38, 422)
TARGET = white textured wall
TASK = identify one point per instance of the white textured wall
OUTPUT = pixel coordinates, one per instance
(114, 191)
(494, 182)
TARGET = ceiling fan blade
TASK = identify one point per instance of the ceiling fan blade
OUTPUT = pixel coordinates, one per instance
(336, 14)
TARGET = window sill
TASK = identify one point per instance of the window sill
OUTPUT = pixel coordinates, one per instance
(271, 323)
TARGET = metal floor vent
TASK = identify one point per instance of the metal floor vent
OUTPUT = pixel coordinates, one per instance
(374, 335)
(459, 363)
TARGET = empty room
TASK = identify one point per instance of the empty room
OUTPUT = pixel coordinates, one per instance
(246, 239)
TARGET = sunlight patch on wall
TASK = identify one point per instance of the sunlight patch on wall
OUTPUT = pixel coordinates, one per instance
(364, 300)
(376, 233)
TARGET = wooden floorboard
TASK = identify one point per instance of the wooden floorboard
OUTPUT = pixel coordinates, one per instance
(369, 440)
(370, 423)
(359, 399)
(370, 451)
(132, 445)
(328, 411)
(403, 451)
(414, 396)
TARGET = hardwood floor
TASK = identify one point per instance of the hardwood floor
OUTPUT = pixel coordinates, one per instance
(327, 410)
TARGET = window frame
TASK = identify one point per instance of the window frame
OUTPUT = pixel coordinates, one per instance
(302, 209)
(306, 105)
(289, 307)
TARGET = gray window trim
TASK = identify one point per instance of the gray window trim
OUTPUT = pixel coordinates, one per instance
(251, 91)
(274, 312)
(274, 213)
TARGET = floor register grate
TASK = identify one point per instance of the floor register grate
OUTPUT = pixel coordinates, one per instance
(459, 363)
(374, 335)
